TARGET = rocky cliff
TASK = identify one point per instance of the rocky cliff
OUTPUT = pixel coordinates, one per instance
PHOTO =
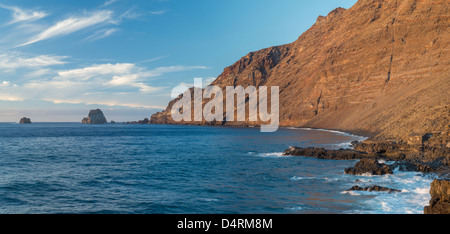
(380, 68)
(94, 117)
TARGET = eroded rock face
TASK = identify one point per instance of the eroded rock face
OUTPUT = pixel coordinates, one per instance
(379, 67)
(25, 120)
(95, 117)
(440, 198)
(369, 166)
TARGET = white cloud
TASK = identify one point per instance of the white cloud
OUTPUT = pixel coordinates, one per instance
(9, 62)
(98, 70)
(71, 25)
(124, 80)
(22, 15)
(39, 72)
(158, 12)
(108, 2)
(5, 84)
(101, 34)
(121, 84)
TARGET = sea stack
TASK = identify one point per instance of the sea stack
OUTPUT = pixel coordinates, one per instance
(94, 117)
(25, 120)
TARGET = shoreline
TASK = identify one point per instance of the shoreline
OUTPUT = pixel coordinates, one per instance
(369, 163)
(424, 158)
(403, 155)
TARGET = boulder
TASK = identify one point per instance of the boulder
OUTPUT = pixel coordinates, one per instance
(369, 166)
(440, 198)
(94, 117)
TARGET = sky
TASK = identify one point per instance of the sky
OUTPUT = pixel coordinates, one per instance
(61, 58)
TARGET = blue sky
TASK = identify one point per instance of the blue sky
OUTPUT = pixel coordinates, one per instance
(60, 58)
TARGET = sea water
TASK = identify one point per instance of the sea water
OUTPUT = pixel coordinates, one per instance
(164, 169)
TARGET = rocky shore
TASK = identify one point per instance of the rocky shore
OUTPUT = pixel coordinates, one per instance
(426, 157)
(377, 67)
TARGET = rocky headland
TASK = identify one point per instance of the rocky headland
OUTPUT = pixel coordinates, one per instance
(95, 117)
(380, 69)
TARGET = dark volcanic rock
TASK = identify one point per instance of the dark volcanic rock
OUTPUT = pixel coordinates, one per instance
(373, 188)
(25, 120)
(145, 121)
(440, 198)
(376, 146)
(371, 166)
(322, 153)
(95, 117)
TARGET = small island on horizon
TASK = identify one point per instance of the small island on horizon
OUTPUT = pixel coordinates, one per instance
(25, 120)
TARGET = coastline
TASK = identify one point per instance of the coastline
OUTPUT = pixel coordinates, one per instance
(404, 155)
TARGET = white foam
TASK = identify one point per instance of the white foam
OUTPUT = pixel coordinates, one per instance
(352, 193)
(267, 155)
(209, 199)
(295, 208)
(343, 145)
(296, 178)
(328, 130)
(414, 195)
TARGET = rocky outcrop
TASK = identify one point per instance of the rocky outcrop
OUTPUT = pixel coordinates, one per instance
(373, 188)
(95, 117)
(25, 120)
(145, 121)
(322, 153)
(369, 166)
(440, 198)
(406, 157)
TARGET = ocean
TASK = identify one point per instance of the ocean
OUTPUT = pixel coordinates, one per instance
(60, 168)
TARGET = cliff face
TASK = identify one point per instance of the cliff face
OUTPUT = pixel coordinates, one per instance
(380, 67)
(95, 117)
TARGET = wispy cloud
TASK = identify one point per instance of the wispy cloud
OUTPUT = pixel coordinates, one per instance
(10, 62)
(157, 12)
(22, 15)
(152, 59)
(101, 34)
(71, 25)
(108, 2)
(97, 71)
(120, 84)
(5, 84)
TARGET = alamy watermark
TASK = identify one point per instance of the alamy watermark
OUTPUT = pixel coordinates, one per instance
(213, 110)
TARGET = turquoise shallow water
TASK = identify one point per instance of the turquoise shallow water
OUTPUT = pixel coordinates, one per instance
(159, 169)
